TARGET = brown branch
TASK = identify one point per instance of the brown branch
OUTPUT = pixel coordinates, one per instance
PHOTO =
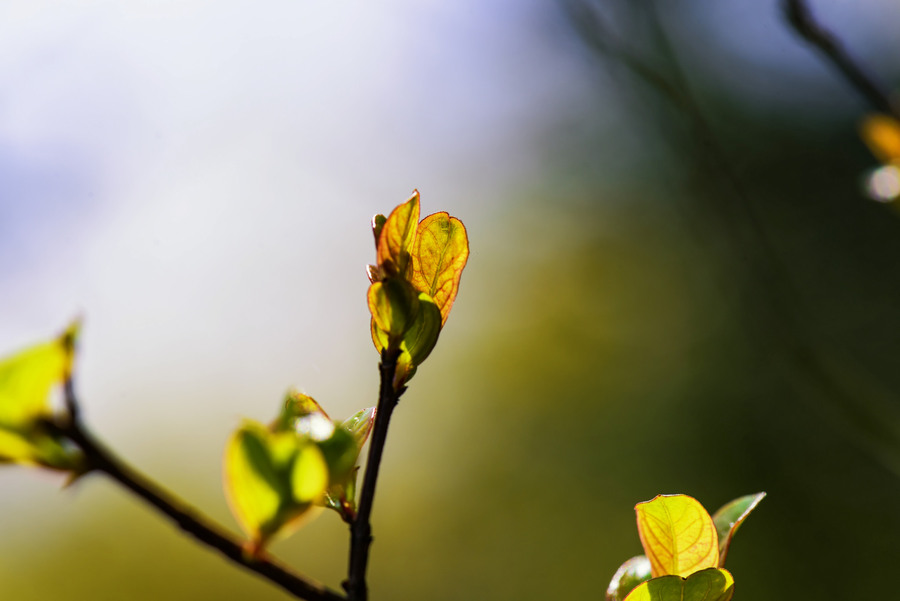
(99, 459)
(361, 528)
(804, 23)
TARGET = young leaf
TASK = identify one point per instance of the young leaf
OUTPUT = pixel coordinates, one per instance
(27, 378)
(440, 254)
(378, 222)
(25, 383)
(359, 425)
(419, 340)
(630, 574)
(308, 478)
(342, 497)
(271, 480)
(395, 237)
(340, 452)
(39, 448)
(730, 517)
(677, 534)
(296, 406)
(15, 448)
(421, 337)
(394, 305)
(711, 584)
(881, 133)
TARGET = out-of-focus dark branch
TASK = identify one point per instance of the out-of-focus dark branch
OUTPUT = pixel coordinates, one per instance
(789, 333)
(100, 459)
(592, 28)
(804, 23)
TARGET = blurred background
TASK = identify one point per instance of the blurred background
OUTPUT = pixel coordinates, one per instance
(677, 282)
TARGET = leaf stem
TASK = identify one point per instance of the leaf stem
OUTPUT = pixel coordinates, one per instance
(100, 459)
(361, 528)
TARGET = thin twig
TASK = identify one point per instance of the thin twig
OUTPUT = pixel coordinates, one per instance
(361, 528)
(804, 23)
(790, 332)
(99, 459)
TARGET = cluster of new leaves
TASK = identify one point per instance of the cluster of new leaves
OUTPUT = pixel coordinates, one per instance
(414, 281)
(881, 133)
(275, 475)
(685, 550)
(26, 381)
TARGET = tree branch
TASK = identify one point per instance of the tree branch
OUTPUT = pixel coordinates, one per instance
(804, 23)
(361, 528)
(99, 459)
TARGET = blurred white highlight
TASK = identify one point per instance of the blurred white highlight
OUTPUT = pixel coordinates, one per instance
(883, 183)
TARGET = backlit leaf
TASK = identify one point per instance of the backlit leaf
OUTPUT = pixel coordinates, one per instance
(630, 574)
(379, 337)
(419, 340)
(342, 497)
(296, 406)
(711, 584)
(272, 479)
(729, 518)
(678, 535)
(440, 253)
(309, 475)
(340, 452)
(406, 369)
(378, 222)
(359, 425)
(394, 305)
(395, 237)
(881, 133)
(27, 378)
(15, 448)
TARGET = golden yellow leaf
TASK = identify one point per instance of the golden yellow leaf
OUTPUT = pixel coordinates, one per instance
(27, 378)
(439, 255)
(678, 535)
(395, 237)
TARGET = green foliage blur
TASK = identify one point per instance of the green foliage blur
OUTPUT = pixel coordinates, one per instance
(661, 305)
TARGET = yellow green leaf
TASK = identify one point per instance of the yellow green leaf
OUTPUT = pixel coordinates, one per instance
(395, 237)
(711, 584)
(678, 535)
(729, 518)
(359, 425)
(309, 476)
(629, 575)
(379, 336)
(272, 479)
(440, 253)
(340, 452)
(27, 378)
(881, 133)
(394, 305)
(296, 406)
(421, 337)
(15, 448)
